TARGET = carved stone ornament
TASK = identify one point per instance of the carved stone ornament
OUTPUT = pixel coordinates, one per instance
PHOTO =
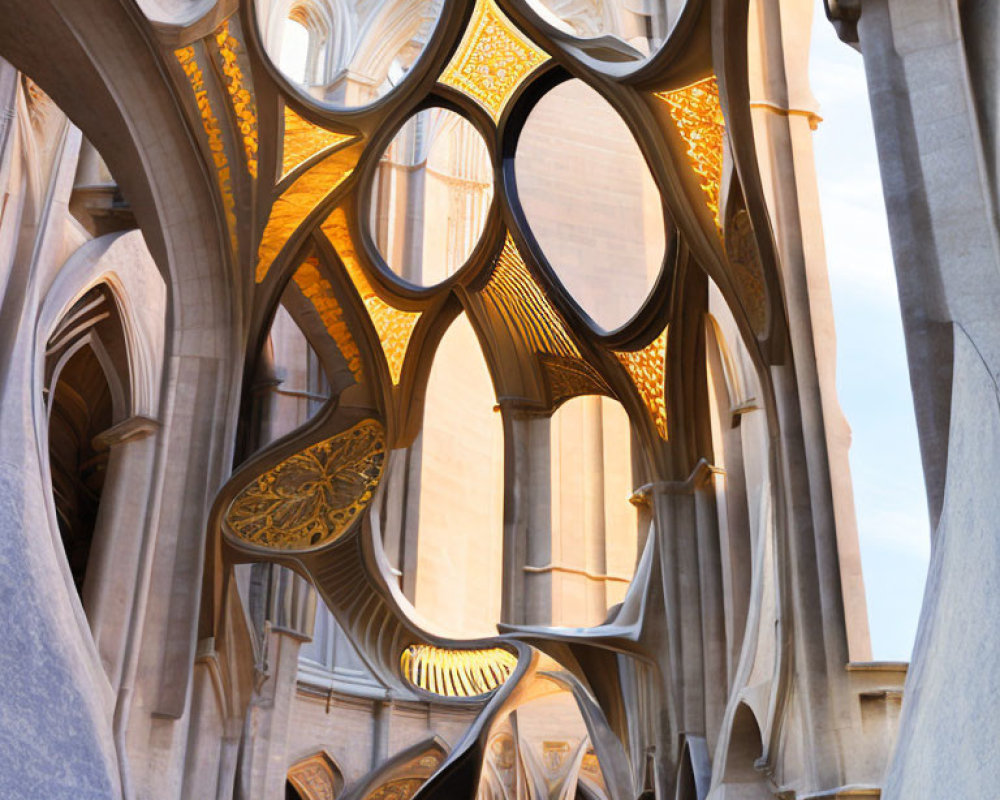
(313, 496)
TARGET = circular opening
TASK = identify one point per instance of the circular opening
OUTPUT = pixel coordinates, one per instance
(346, 55)
(591, 202)
(430, 196)
(628, 31)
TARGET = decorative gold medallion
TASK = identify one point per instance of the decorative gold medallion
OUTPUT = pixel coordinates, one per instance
(492, 59)
(314, 496)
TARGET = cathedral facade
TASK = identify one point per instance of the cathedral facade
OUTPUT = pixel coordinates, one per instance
(436, 399)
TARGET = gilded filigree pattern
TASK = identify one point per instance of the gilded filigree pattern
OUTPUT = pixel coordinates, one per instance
(314, 496)
(314, 779)
(401, 789)
(747, 271)
(404, 780)
(697, 113)
(647, 368)
(456, 673)
(213, 133)
(393, 326)
(571, 377)
(319, 291)
(241, 96)
(295, 203)
(492, 59)
(521, 303)
(304, 139)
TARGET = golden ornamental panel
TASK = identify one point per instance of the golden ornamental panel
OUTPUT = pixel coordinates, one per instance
(314, 779)
(299, 199)
(399, 789)
(314, 496)
(393, 326)
(518, 299)
(304, 139)
(492, 59)
(571, 377)
(647, 368)
(697, 113)
(457, 673)
(319, 292)
(747, 270)
(244, 105)
(213, 133)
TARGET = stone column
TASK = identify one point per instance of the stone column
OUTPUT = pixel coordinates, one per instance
(784, 115)
(527, 595)
(935, 112)
(112, 570)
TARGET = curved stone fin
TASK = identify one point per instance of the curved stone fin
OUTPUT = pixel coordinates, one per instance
(458, 777)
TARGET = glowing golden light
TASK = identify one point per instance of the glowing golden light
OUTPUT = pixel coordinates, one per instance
(295, 203)
(456, 673)
(492, 59)
(647, 368)
(393, 326)
(319, 292)
(303, 139)
(213, 133)
(697, 113)
(519, 300)
(244, 105)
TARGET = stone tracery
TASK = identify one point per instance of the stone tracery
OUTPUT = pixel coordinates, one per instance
(317, 501)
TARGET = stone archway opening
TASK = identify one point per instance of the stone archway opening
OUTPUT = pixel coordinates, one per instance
(86, 359)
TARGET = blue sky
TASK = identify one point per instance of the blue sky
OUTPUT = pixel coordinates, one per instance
(872, 377)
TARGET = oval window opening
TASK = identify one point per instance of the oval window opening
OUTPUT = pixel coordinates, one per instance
(346, 55)
(632, 31)
(443, 524)
(591, 202)
(430, 196)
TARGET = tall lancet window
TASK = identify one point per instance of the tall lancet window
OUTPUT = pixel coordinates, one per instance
(85, 359)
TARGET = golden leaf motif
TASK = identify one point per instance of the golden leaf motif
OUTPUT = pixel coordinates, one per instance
(304, 139)
(244, 105)
(492, 59)
(213, 133)
(393, 326)
(697, 113)
(299, 199)
(456, 673)
(647, 368)
(314, 496)
(319, 292)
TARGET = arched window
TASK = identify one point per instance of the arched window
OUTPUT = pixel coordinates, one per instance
(85, 362)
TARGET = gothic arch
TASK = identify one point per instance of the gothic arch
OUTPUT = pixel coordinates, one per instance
(316, 777)
(101, 67)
